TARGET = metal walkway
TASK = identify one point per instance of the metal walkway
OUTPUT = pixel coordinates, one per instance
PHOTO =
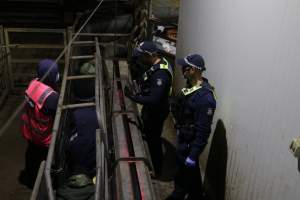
(123, 167)
(122, 161)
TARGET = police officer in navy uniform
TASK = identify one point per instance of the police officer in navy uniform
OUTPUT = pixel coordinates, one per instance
(155, 89)
(193, 111)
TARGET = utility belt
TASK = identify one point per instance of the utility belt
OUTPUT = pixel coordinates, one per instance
(186, 132)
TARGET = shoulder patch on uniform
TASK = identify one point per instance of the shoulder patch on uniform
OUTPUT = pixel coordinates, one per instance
(210, 111)
(159, 82)
(73, 137)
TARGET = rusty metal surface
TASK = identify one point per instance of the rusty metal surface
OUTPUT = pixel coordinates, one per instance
(132, 174)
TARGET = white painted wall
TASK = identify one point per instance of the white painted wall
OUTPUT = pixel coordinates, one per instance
(252, 51)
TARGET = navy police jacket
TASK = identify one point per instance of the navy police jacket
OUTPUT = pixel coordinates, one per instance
(156, 85)
(82, 144)
(194, 119)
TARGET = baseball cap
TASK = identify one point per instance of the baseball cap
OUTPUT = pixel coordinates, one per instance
(146, 47)
(192, 60)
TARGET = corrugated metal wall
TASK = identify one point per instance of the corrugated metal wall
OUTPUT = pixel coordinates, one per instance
(252, 51)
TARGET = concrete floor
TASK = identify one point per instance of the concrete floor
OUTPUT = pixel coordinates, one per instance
(12, 150)
(164, 186)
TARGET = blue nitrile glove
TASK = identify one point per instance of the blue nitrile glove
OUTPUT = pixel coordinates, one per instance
(189, 162)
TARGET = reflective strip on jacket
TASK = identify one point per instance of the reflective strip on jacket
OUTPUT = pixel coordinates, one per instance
(162, 66)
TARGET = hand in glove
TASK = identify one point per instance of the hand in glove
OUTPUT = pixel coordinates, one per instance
(189, 162)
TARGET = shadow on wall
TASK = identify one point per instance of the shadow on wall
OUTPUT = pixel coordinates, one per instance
(215, 175)
(299, 165)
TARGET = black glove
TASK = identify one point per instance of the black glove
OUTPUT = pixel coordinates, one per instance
(127, 92)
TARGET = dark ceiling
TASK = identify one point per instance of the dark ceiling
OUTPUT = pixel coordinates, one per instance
(49, 13)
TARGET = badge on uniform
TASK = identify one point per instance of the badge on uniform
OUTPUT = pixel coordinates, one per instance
(159, 82)
(210, 111)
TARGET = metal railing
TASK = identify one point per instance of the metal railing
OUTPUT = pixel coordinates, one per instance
(62, 108)
(102, 150)
(3, 69)
(44, 183)
(128, 175)
(131, 165)
(25, 47)
(39, 191)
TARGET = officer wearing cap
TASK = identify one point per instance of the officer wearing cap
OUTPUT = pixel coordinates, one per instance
(193, 111)
(155, 88)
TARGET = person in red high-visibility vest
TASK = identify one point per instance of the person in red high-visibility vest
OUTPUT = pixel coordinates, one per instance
(37, 119)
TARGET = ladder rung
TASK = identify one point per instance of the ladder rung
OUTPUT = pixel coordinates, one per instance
(83, 43)
(78, 105)
(117, 112)
(82, 57)
(80, 77)
(92, 43)
(115, 58)
(105, 34)
(29, 61)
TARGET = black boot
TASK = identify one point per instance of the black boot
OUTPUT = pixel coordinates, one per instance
(25, 179)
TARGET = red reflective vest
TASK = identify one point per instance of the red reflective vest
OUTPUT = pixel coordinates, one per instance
(37, 127)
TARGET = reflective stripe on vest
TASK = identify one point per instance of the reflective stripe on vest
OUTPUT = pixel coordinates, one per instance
(170, 70)
(188, 91)
(162, 66)
(38, 92)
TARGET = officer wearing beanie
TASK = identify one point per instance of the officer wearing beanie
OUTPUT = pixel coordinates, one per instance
(84, 122)
(155, 89)
(81, 143)
(38, 118)
(193, 111)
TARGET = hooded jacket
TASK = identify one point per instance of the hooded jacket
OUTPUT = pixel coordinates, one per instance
(41, 103)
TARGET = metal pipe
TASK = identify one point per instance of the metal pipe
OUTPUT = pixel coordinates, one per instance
(101, 115)
(35, 46)
(82, 57)
(80, 77)
(3, 96)
(106, 34)
(132, 167)
(98, 166)
(79, 105)
(36, 188)
(55, 130)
